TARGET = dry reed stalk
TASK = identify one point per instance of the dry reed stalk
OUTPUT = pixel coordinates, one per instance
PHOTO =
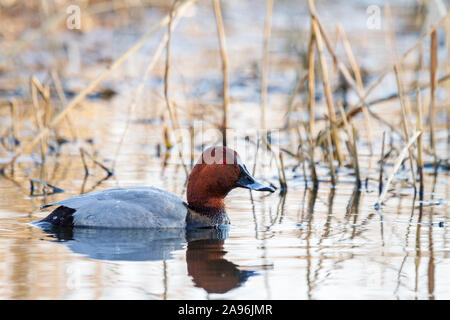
(166, 136)
(330, 158)
(337, 63)
(40, 122)
(356, 159)
(36, 109)
(192, 145)
(351, 145)
(411, 90)
(101, 165)
(380, 179)
(283, 182)
(14, 122)
(224, 57)
(83, 159)
(301, 156)
(311, 83)
(172, 112)
(276, 159)
(173, 118)
(397, 164)
(419, 127)
(393, 43)
(346, 124)
(390, 37)
(47, 105)
(296, 91)
(358, 78)
(358, 89)
(406, 104)
(312, 164)
(35, 87)
(73, 129)
(256, 156)
(45, 187)
(93, 84)
(326, 84)
(62, 97)
(433, 74)
(405, 122)
(356, 108)
(351, 133)
(267, 28)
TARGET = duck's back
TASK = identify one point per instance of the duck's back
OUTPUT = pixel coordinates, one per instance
(137, 207)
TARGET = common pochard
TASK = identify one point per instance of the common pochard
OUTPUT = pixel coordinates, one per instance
(217, 172)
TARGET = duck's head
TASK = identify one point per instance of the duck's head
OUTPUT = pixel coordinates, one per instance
(217, 172)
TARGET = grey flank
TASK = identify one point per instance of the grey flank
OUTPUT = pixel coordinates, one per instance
(135, 207)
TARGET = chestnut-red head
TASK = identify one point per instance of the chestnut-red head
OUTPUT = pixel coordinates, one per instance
(217, 172)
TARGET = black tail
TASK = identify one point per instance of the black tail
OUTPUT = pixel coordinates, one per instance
(61, 216)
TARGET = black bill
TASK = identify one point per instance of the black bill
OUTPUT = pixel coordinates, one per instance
(246, 180)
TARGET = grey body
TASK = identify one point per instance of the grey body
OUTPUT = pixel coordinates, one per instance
(136, 207)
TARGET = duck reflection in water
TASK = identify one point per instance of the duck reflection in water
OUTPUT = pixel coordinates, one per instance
(204, 255)
(208, 267)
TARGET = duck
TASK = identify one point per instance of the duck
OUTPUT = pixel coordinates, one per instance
(218, 171)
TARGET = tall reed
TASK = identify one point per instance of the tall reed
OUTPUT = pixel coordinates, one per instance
(224, 57)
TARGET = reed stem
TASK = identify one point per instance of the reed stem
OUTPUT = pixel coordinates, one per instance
(267, 28)
(311, 83)
(419, 126)
(224, 57)
(405, 121)
(433, 78)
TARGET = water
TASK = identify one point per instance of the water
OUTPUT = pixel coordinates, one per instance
(305, 244)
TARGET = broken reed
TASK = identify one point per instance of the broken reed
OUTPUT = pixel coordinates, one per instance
(397, 165)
